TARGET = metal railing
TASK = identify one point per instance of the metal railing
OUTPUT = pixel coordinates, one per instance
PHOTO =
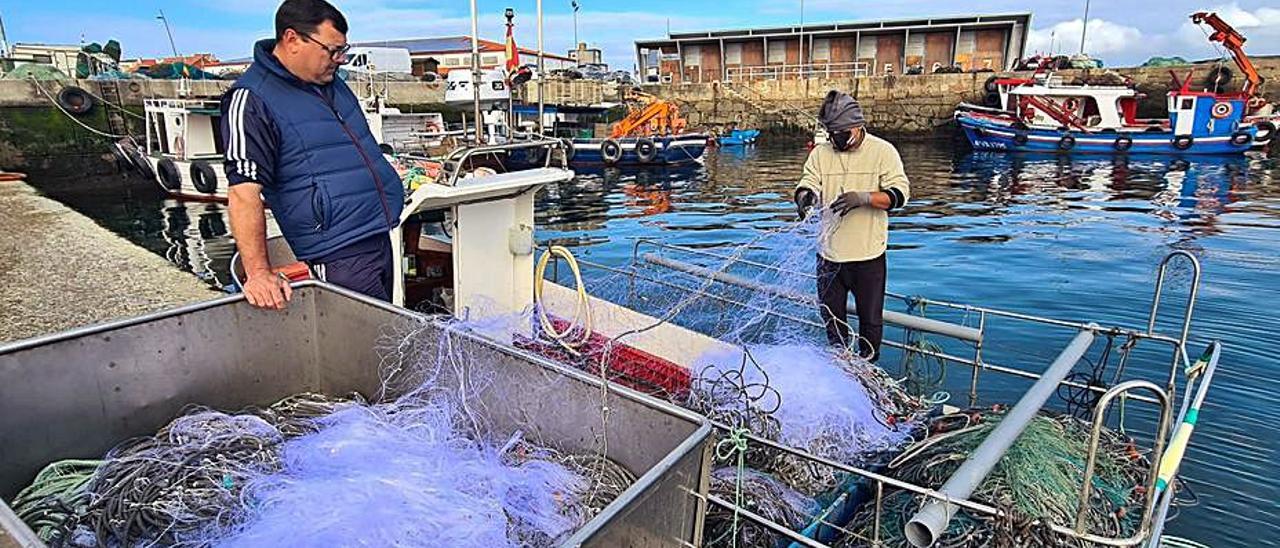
(797, 71)
(456, 160)
(1159, 397)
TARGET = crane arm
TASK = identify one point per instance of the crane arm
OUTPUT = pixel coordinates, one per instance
(1234, 42)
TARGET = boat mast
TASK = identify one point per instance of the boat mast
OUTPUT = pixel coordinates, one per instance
(1084, 28)
(475, 71)
(541, 73)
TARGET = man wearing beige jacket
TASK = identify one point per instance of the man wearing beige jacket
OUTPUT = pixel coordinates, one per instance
(854, 180)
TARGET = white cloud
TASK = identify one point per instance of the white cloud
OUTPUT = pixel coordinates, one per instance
(1103, 37)
(1260, 27)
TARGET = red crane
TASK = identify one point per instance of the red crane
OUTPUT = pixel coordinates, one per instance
(1234, 41)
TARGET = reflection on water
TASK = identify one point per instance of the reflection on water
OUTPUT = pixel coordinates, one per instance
(1074, 237)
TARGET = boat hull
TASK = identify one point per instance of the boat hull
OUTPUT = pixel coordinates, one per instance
(992, 133)
(672, 150)
(186, 188)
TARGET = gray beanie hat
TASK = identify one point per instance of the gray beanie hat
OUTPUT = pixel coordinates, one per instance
(840, 112)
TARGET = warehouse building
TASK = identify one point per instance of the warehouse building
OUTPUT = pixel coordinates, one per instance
(862, 48)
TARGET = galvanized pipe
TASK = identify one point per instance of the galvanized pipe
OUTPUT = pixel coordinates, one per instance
(932, 520)
(890, 316)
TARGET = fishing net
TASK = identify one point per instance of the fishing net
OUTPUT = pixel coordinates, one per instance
(426, 467)
(766, 370)
(1037, 482)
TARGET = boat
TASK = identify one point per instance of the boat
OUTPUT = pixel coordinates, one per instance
(739, 137)
(469, 252)
(468, 247)
(183, 150)
(1042, 113)
(651, 134)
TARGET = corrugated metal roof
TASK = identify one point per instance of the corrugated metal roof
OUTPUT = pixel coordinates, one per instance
(427, 45)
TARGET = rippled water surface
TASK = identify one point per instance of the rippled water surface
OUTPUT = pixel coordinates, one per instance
(1067, 237)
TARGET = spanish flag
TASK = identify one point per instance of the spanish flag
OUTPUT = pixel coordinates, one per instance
(513, 54)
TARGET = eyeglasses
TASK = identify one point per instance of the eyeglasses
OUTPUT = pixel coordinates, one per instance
(337, 53)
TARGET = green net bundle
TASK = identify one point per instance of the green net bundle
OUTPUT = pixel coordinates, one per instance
(1037, 482)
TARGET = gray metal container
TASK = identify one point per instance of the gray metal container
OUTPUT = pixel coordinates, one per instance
(78, 393)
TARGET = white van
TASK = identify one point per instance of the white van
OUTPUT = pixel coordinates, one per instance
(370, 60)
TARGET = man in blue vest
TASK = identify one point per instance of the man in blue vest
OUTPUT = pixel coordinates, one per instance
(297, 137)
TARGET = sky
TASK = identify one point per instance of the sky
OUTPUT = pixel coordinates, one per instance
(1121, 32)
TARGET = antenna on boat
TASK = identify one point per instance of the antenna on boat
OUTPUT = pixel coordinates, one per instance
(475, 70)
(1085, 27)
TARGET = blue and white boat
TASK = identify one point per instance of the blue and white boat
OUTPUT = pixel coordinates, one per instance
(739, 137)
(668, 150)
(1044, 115)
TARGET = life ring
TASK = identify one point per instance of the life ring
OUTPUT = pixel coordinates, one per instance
(646, 150)
(75, 100)
(1122, 143)
(1067, 142)
(610, 151)
(1241, 138)
(1264, 131)
(1020, 138)
(170, 177)
(140, 163)
(1183, 142)
(203, 177)
(1222, 109)
(1071, 104)
(569, 150)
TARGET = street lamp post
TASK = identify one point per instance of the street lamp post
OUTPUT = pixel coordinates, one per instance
(165, 20)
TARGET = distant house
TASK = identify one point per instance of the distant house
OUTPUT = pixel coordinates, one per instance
(441, 55)
(198, 60)
(231, 65)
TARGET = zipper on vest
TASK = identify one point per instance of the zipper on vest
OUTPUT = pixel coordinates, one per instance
(377, 181)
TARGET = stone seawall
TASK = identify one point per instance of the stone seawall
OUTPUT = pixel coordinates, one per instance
(900, 105)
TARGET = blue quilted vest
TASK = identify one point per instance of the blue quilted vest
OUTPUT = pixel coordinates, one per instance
(332, 186)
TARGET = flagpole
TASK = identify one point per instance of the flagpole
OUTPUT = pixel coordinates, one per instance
(577, 60)
(541, 72)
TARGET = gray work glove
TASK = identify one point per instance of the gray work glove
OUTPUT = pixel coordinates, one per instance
(804, 199)
(850, 201)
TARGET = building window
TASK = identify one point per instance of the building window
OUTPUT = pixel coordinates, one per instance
(733, 54)
(822, 49)
(692, 56)
(452, 61)
(777, 52)
(492, 59)
(867, 47)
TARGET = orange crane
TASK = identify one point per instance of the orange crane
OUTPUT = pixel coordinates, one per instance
(1234, 42)
(652, 116)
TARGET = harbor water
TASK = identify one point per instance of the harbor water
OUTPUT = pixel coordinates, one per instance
(1070, 237)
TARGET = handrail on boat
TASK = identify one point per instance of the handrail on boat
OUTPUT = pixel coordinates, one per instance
(459, 156)
(1100, 417)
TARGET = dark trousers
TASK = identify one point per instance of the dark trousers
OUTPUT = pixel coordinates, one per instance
(368, 272)
(865, 279)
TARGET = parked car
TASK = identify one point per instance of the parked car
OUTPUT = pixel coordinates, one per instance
(620, 77)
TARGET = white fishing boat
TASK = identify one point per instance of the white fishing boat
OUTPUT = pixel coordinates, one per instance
(183, 148)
